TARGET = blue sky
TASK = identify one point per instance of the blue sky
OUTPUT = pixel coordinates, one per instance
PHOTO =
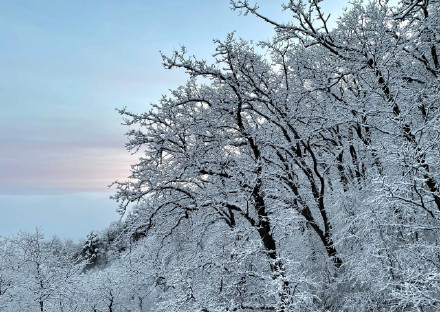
(64, 68)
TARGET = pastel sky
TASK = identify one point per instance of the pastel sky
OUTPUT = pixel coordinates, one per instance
(64, 68)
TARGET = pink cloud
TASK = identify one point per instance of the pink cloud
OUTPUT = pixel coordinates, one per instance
(53, 169)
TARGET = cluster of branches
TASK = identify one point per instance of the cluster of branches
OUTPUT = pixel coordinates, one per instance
(48, 275)
(324, 153)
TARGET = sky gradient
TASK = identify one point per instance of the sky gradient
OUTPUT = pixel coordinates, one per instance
(64, 68)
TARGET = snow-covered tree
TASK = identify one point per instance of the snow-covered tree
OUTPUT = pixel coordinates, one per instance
(322, 154)
(36, 274)
(91, 250)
